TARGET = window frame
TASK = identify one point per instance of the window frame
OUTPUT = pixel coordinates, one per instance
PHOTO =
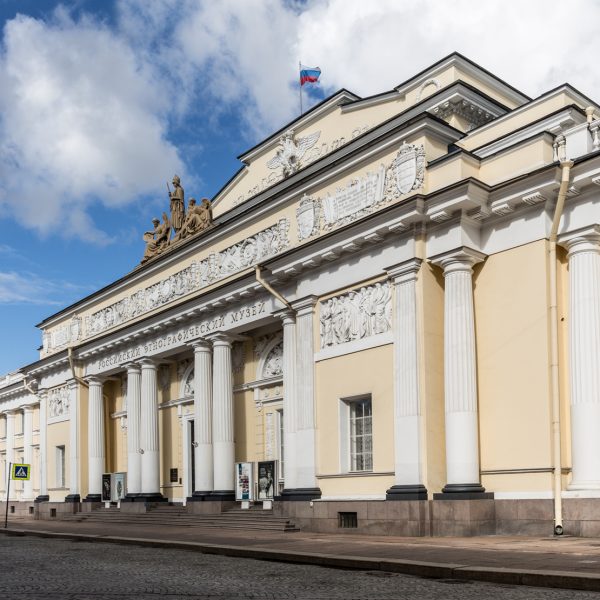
(347, 405)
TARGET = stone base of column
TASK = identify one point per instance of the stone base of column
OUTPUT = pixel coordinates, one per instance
(42, 498)
(73, 498)
(200, 497)
(464, 491)
(222, 495)
(93, 498)
(300, 494)
(406, 492)
(133, 498)
(148, 498)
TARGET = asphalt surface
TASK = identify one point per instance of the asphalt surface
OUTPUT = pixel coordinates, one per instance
(567, 562)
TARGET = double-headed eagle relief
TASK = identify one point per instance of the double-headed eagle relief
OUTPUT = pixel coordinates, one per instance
(180, 225)
(290, 152)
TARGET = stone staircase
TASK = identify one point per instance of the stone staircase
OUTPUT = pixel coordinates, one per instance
(177, 516)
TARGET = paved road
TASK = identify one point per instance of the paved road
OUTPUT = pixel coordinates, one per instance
(35, 568)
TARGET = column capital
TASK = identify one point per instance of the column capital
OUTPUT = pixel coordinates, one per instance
(94, 380)
(287, 315)
(148, 363)
(305, 305)
(201, 345)
(131, 367)
(219, 338)
(586, 239)
(72, 383)
(404, 271)
(459, 259)
(28, 408)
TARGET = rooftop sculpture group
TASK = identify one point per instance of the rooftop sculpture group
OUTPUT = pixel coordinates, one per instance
(182, 224)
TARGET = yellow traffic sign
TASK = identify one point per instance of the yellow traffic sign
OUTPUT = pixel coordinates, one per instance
(20, 472)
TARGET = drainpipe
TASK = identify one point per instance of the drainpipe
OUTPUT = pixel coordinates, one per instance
(271, 290)
(71, 364)
(554, 374)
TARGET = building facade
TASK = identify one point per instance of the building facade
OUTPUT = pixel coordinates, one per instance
(396, 300)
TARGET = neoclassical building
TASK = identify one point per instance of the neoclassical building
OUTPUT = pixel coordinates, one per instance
(395, 300)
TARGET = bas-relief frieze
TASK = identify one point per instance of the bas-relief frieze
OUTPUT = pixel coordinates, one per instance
(356, 314)
(362, 195)
(58, 404)
(217, 266)
(180, 337)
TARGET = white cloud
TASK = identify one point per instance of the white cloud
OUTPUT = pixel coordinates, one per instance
(29, 288)
(87, 112)
(81, 123)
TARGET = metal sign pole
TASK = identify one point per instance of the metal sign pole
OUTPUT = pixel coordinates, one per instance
(7, 495)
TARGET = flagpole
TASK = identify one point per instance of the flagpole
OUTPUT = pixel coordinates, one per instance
(300, 83)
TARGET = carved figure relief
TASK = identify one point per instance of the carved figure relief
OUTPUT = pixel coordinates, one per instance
(181, 223)
(68, 333)
(58, 403)
(407, 171)
(238, 357)
(291, 151)
(273, 366)
(216, 266)
(188, 389)
(356, 315)
(164, 377)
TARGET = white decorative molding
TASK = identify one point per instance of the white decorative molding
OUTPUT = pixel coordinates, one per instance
(307, 217)
(440, 216)
(475, 115)
(61, 337)
(426, 84)
(535, 198)
(58, 404)
(273, 365)
(291, 150)
(374, 341)
(356, 314)
(270, 436)
(360, 197)
(407, 171)
(502, 209)
(217, 266)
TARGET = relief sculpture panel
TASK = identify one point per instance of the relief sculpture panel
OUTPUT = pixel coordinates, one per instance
(355, 315)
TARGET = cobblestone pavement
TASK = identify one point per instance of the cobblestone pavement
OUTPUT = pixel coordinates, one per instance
(34, 569)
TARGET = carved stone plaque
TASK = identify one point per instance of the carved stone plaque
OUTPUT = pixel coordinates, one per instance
(307, 216)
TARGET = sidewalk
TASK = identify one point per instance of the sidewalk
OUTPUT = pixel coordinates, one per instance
(565, 562)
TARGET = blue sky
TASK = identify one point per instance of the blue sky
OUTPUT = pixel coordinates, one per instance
(102, 102)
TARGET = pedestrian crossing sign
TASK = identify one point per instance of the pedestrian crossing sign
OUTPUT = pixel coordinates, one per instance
(21, 472)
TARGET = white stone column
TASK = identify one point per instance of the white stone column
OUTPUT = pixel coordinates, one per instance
(460, 374)
(408, 463)
(10, 445)
(28, 450)
(290, 408)
(74, 491)
(43, 495)
(584, 348)
(203, 420)
(223, 441)
(149, 435)
(304, 380)
(96, 449)
(134, 458)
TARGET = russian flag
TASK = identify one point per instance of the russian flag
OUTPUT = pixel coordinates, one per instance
(309, 74)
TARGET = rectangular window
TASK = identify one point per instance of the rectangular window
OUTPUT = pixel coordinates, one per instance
(60, 466)
(356, 434)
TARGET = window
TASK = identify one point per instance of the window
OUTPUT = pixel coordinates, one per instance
(356, 435)
(60, 466)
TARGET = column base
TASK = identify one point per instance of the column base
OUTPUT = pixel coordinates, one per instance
(222, 495)
(199, 497)
(300, 494)
(133, 497)
(93, 498)
(406, 492)
(42, 498)
(73, 498)
(464, 491)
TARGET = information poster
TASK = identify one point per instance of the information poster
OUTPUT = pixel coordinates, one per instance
(244, 483)
(267, 478)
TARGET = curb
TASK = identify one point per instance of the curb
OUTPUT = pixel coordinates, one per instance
(534, 578)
